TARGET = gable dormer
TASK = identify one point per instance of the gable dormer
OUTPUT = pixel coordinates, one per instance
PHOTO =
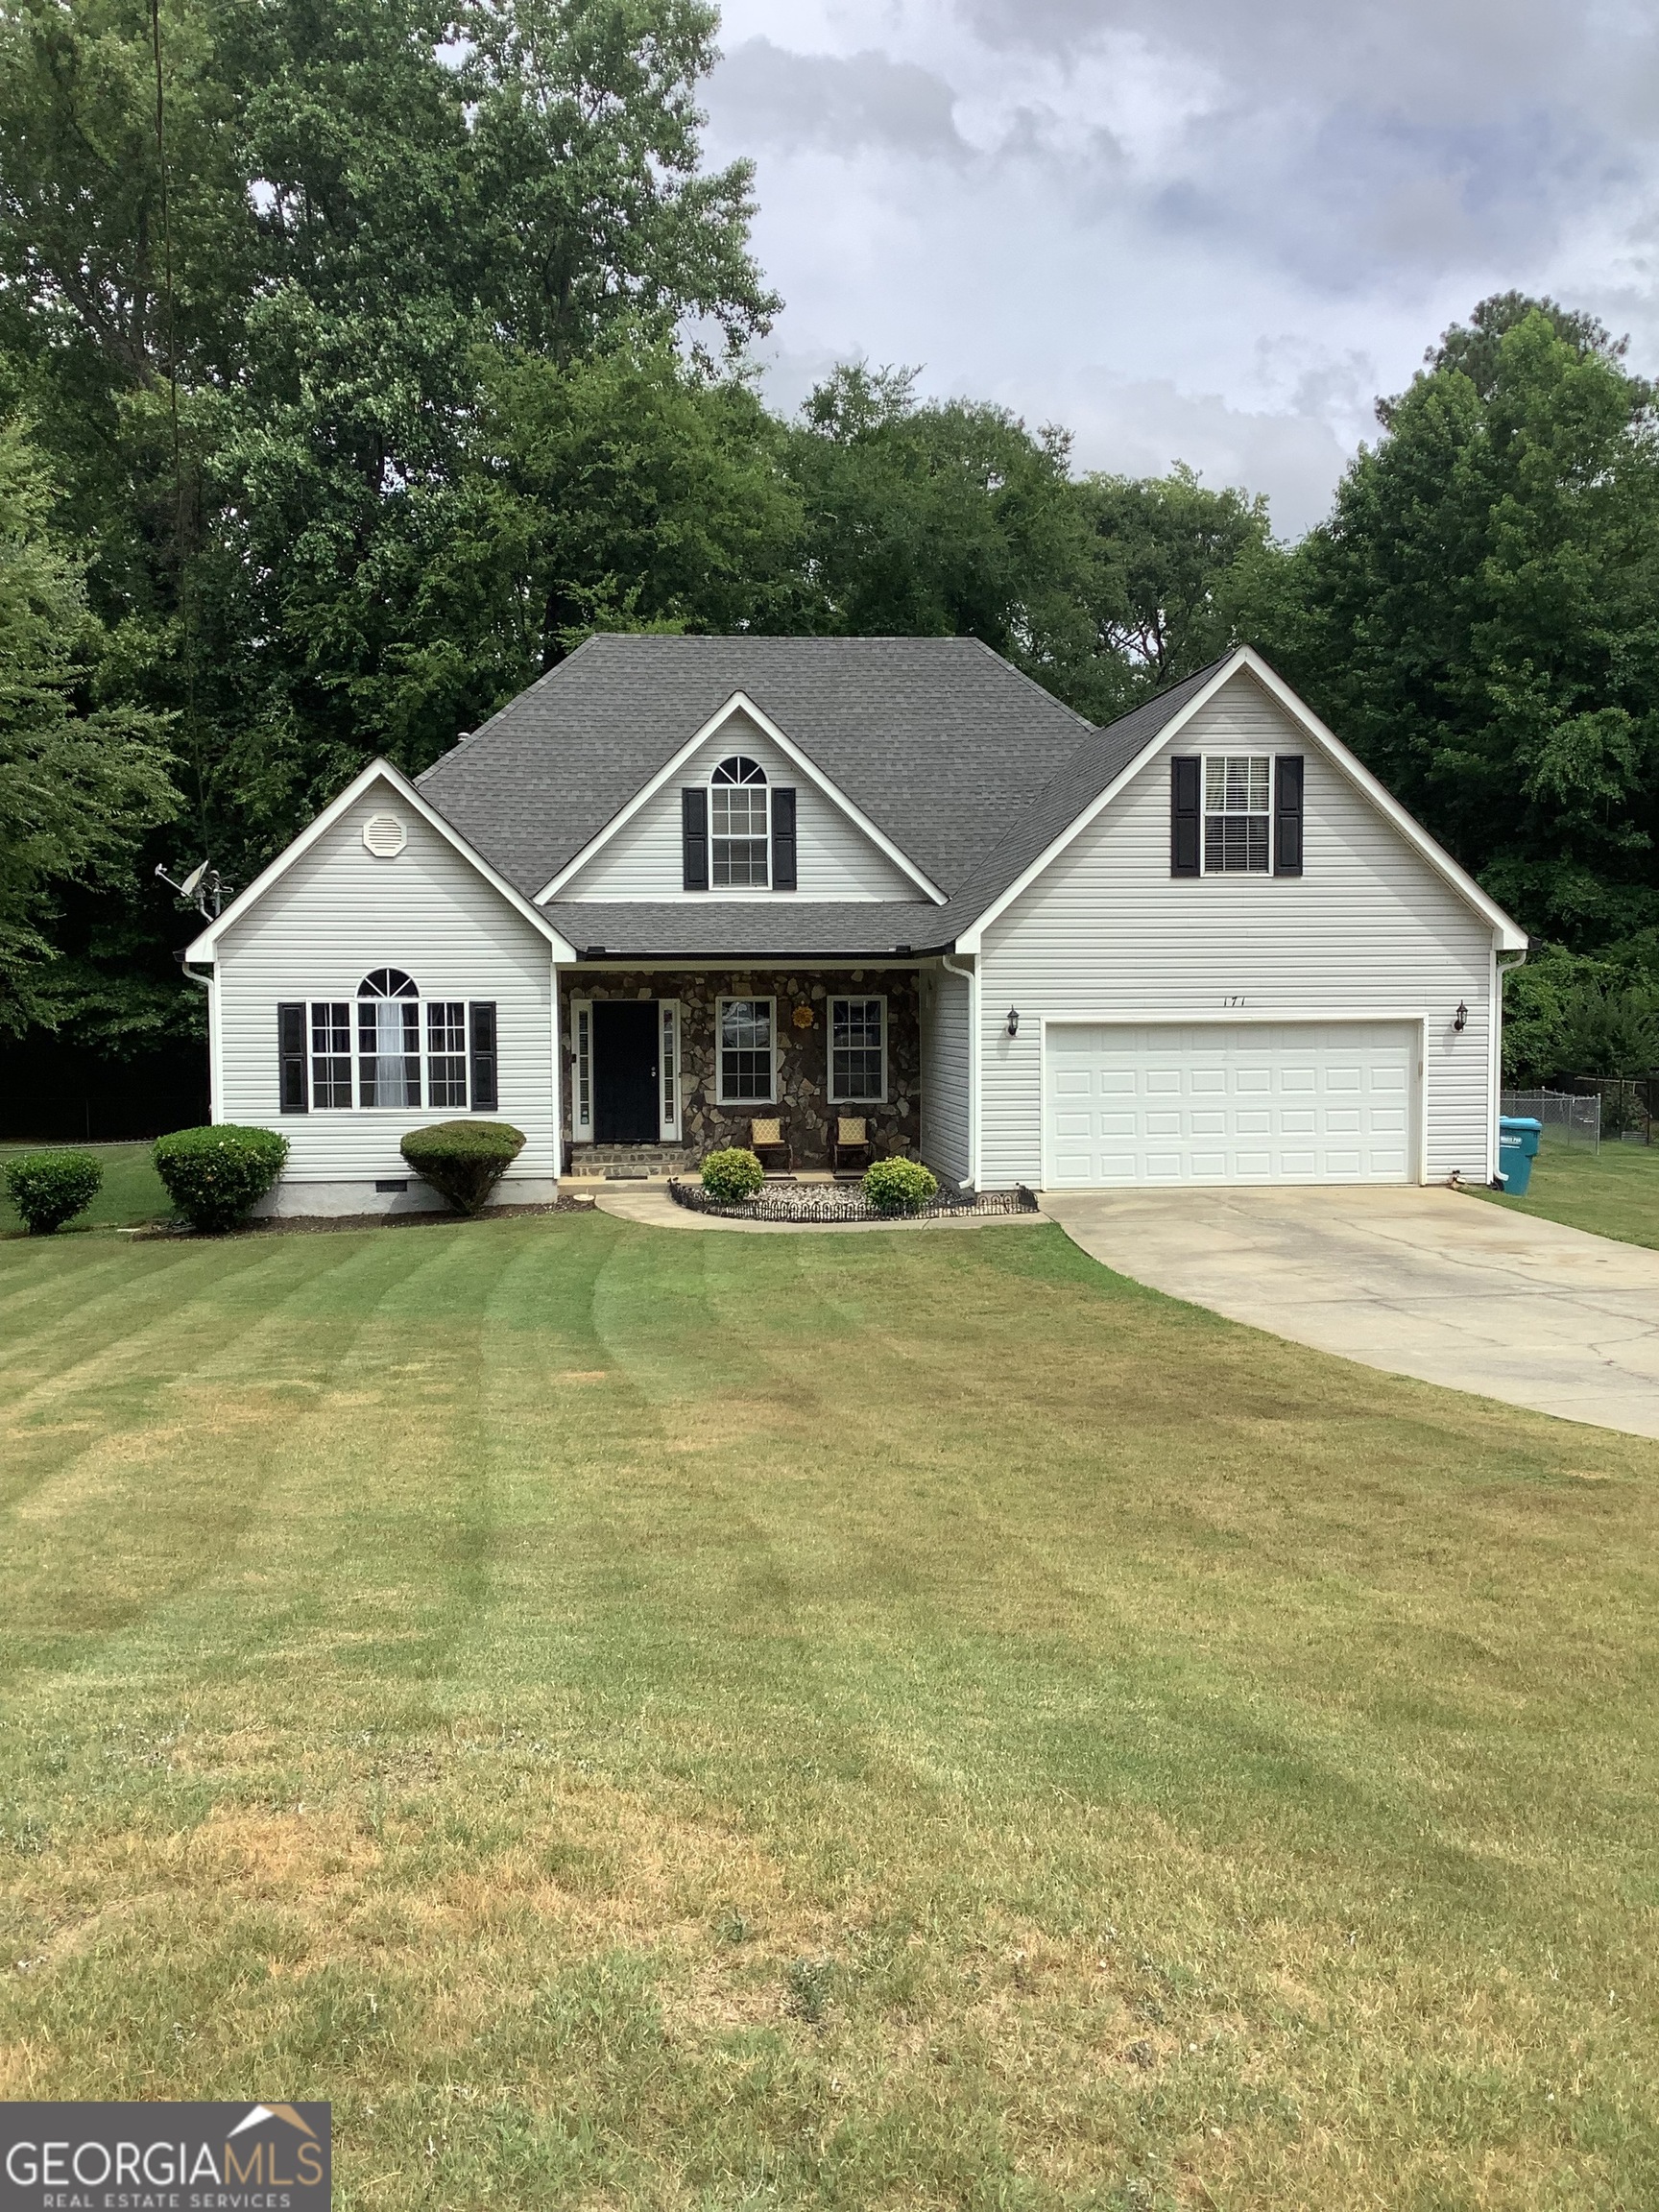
(741, 815)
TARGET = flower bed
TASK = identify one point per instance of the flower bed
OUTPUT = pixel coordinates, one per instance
(821, 1204)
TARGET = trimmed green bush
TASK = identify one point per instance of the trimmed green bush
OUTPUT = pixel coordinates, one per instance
(900, 1186)
(732, 1173)
(464, 1160)
(51, 1187)
(214, 1175)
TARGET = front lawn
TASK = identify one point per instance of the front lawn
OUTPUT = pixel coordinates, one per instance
(689, 1721)
(1613, 1193)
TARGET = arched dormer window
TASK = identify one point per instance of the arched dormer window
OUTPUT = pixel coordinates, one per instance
(738, 825)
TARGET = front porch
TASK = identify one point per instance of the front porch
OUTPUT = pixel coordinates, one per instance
(663, 1066)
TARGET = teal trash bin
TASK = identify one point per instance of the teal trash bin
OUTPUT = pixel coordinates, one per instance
(1517, 1136)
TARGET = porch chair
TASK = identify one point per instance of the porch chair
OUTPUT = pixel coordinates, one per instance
(769, 1144)
(849, 1148)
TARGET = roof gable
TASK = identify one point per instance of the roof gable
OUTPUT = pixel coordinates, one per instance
(203, 946)
(744, 720)
(1060, 812)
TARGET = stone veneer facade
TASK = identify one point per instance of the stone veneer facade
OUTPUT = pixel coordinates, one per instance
(803, 1060)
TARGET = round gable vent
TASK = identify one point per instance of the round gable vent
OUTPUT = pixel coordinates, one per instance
(385, 836)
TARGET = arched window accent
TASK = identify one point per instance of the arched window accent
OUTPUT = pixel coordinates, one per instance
(388, 1039)
(738, 825)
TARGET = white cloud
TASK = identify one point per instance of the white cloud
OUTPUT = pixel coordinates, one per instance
(1182, 226)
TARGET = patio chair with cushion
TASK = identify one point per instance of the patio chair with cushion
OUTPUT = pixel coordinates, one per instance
(769, 1144)
(850, 1146)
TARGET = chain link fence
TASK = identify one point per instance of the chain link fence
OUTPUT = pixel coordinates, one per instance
(1629, 1105)
(1569, 1118)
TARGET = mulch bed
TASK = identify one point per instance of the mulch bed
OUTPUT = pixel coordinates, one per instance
(816, 1205)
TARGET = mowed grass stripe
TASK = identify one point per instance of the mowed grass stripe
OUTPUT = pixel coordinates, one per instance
(691, 1720)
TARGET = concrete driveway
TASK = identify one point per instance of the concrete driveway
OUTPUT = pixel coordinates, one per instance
(1425, 1283)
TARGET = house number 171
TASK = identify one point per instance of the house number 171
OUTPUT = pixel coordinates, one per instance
(1236, 999)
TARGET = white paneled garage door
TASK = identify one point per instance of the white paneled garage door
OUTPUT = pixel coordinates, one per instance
(1251, 1102)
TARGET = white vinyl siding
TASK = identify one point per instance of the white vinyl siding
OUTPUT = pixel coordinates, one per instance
(834, 859)
(946, 1057)
(1369, 929)
(336, 915)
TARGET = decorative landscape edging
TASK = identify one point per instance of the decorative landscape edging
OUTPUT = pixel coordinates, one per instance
(821, 1205)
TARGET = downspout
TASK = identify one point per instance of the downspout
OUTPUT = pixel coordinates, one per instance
(206, 983)
(558, 1072)
(1501, 963)
(971, 976)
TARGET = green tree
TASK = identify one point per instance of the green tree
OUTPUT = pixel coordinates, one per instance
(939, 519)
(1172, 560)
(78, 783)
(1481, 615)
(271, 368)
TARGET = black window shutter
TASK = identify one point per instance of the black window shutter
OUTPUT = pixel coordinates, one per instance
(1287, 814)
(694, 838)
(294, 1090)
(1186, 818)
(782, 838)
(481, 1037)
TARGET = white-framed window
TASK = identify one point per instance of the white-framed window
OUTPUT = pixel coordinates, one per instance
(391, 1050)
(668, 1066)
(331, 1053)
(748, 1030)
(445, 1052)
(582, 1069)
(739, 825)
(1237, 814)
(858, 1051)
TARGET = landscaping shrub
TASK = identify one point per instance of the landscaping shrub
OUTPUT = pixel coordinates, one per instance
(731, 1173)
(464, 1160)
(51, 1187)
(900, 1186)
(214, 1175)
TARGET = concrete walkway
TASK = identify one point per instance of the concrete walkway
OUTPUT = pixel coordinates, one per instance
(1425, 1283)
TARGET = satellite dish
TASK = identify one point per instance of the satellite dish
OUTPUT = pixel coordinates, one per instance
(188, 886)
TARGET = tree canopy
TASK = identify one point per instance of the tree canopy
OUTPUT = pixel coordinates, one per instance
(397, 348)
(1479, 617)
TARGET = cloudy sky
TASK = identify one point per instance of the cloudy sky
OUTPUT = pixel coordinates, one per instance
(1203, 230)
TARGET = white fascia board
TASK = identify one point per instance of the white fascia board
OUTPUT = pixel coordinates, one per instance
(740, 703)
(376, 772)
(1507, 934)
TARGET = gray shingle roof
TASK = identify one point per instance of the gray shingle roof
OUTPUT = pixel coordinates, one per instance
(782, 929)
(970, 767)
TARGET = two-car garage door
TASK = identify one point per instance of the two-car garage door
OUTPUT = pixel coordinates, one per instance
(1294, 1102)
